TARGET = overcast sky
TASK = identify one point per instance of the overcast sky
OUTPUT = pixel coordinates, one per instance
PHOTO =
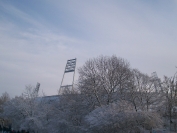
(37, 37)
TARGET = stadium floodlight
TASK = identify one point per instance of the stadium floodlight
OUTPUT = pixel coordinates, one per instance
(37, 87)
(156, 81)
(70, 67)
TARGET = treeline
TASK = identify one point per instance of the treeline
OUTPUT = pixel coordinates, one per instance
(109, 96)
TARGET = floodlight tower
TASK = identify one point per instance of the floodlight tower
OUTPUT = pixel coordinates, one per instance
(36, 90)
(37, 87)
(156, 81)
(70, 67)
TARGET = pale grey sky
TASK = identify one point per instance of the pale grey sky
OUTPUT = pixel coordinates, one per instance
(37, 37)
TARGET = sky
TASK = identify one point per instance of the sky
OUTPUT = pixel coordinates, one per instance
(37, 37)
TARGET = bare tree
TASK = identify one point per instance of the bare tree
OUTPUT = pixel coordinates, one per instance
(135, 94)
(170, 89)
(26, 111)
(101, 78)
(143, 92)
(4, 98)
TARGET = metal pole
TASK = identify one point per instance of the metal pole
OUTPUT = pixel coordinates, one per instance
(74, 75)
(62, 81)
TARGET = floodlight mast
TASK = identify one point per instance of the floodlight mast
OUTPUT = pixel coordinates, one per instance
(70, 67)
(156, 81)
(37, 87)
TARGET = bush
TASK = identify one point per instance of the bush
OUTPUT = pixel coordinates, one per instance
(112, 118)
